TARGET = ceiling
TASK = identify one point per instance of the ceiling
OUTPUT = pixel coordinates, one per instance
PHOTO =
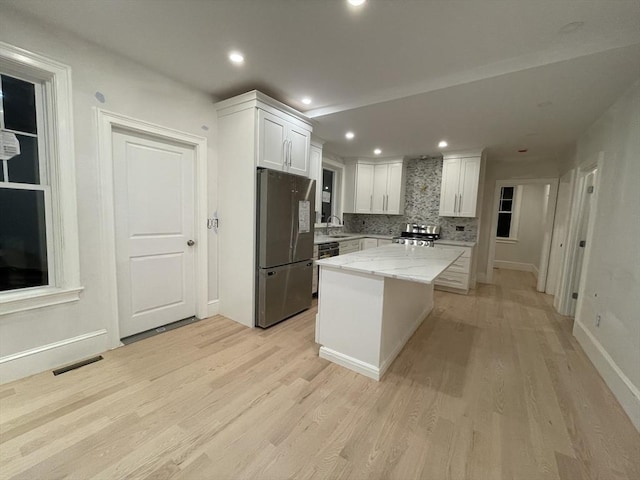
(400, 74)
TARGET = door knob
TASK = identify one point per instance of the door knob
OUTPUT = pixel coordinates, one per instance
(191, 243)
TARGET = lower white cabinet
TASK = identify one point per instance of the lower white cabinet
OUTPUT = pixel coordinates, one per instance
(373, 242)
(349, 246)
(457, 278)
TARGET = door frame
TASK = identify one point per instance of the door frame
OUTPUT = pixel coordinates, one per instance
(565, 303)
(548, 225)
(106, 122)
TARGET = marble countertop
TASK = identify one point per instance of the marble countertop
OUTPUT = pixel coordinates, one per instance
(318, 239)
(416, 264)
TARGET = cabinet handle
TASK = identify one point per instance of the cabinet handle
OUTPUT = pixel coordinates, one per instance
(284, 153)
(371, 203)
(460, 204)
(290, 151)
(455, 203)
(386, 205)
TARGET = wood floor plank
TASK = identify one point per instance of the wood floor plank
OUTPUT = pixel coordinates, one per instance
(491, 386)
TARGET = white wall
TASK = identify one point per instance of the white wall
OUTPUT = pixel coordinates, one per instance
(611, 282)
(505, 170)
(129, 89)
(526, 250)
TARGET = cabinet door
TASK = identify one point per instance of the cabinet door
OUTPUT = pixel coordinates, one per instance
(315, 173)
(394, 189)
(368, 243)
(299, 150)
(380, 178)
(364, 188)
(468, 186)
(272, 133)
(449, 187)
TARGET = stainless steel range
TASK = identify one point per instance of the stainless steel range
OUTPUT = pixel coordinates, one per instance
(419, 235)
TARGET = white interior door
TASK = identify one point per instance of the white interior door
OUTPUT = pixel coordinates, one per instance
(154, 217)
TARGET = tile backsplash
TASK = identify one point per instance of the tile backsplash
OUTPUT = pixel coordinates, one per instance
(422, 203)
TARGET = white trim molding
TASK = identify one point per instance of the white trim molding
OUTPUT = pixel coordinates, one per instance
(105, 123)
(39, 359)
(58, 99)
(621, 386)
(213, 308)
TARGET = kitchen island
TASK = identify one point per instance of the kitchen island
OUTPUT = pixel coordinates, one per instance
(371, 302)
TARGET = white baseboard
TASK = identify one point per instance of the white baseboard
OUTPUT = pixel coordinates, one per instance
(524, 267)
(351, 363)
(625, 392)
(53, 355)
(535, 271)
(386, 363)
(213, 308)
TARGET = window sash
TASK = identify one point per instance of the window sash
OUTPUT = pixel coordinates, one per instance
(43, 165)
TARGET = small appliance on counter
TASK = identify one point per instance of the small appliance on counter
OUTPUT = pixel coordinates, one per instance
(419, 235)
(284, 272)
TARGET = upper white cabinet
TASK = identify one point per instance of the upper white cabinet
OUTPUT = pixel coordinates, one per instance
(282, 143)
(375, 187)
(459, 189)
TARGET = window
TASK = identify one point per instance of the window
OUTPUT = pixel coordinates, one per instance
(38, 226)
(328, 189)
(25, 202)
(508, 213)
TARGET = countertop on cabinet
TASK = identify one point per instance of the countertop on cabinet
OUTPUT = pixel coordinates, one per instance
(455, 243)
(404, 262)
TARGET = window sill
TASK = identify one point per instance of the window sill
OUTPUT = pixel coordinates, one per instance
(29, 299)
(506, 240)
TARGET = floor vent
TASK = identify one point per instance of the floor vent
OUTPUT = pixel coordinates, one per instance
(73, 366)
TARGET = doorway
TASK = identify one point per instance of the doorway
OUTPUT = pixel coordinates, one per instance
(506, 217)
(153, 188)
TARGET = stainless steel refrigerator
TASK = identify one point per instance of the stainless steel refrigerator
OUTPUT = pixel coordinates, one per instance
(285, 216)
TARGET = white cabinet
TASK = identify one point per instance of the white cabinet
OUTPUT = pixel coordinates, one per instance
(314, 279)
(373, 242)
(459, 188)
(456, 278)
(366, 243)
(375, 187)
(349, 246)
(282, 145)
(363, 188)
(315, 173)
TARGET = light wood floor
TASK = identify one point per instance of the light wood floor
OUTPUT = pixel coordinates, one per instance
(491, 386)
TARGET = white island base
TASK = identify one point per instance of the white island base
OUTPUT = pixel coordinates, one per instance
(364, 320)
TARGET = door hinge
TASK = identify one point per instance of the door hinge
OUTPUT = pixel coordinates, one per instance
(574, 295)
(582, 243)
(590, 189)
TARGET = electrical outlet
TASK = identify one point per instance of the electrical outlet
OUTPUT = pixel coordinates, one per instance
(459, 228)
(598, 318)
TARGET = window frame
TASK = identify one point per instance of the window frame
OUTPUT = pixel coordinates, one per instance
(62, 225)
(338, 190)
(515, 214)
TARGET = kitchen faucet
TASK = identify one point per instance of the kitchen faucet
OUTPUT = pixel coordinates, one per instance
(333, 216)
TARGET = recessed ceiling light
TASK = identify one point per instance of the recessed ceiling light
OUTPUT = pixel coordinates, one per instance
(571, 27)
(377, 151)
(236, 57)
(443, 144)
(356, 3)
(349, 135)
(306, 101)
